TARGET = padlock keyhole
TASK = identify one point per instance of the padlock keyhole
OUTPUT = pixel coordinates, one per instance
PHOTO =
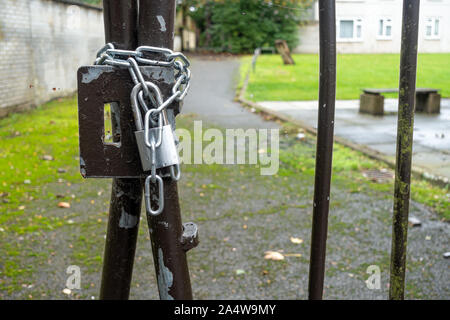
(111, 124)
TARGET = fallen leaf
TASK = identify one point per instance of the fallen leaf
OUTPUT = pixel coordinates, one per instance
(293, 255)
(414, 222)
(64, 205)
(67, 291)
(273, 255)
(240, 271)
(296, 240)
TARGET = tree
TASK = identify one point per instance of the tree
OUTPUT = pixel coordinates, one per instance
(240, 26)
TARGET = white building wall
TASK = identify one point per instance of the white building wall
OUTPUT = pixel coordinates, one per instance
(370, 11)
(42, 44)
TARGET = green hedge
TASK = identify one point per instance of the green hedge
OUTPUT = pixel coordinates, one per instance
(240, 26)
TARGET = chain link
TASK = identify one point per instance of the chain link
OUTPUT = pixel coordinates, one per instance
(148, 97)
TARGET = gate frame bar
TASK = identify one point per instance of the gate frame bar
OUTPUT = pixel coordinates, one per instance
(166, 229)
(127, 25)
(324, 151)
(405, 126)
(120, 20)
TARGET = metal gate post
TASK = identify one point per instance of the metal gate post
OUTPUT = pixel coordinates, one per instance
(406, 105)
(156, 28)
(120, 18)
(324, 151)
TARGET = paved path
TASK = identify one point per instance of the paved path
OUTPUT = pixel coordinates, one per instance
(431, 148)
(212, 94)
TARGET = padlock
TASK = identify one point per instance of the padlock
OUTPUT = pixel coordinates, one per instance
(166, 154)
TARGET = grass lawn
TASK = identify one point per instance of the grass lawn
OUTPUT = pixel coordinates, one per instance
(273, 81)
(39, 240)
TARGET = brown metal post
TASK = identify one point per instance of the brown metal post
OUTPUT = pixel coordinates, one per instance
(406, 104)
(156, 28)
(324, 152)
(120, 18)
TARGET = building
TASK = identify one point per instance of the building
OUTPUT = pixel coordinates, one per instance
(374, 26)
(42, 44)
(185, 31)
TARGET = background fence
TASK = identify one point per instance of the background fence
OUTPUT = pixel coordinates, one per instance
(42, 44)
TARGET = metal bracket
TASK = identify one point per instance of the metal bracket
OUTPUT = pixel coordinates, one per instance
(98, 85)
(189, 238)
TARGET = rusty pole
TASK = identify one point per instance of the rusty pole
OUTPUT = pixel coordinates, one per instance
(324, 152)
(120, 18)
(405, 125)
(156, 28)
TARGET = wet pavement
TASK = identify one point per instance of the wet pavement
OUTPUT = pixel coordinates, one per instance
(431, 147)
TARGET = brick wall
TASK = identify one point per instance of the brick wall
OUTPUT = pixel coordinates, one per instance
(42, 44)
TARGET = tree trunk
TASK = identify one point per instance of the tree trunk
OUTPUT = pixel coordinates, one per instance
(284, 51)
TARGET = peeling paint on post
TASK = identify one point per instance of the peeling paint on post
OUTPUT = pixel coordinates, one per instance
(162, 22)
(165, 278)
(93, 74)
(128, 221)
(406, 103)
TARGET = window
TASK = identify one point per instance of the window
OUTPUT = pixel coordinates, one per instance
(432, 30)
(384, 28)
(349, 29)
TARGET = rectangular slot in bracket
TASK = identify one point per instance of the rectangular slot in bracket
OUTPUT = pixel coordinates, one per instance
(111, 124)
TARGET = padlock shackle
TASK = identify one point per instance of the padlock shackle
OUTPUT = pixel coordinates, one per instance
(134, 107)
(134, 102)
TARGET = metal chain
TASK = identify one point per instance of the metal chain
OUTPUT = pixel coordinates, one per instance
(155, 115)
